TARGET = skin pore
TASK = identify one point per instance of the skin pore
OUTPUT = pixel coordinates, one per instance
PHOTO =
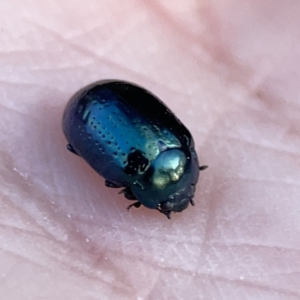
(230, 70)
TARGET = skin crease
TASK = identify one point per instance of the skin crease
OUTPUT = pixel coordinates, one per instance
(230, 70)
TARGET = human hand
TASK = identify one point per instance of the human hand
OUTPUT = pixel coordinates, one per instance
(230, 72)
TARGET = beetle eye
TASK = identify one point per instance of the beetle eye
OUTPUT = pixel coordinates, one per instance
(177, 207)
(183, 204)
(166, 206)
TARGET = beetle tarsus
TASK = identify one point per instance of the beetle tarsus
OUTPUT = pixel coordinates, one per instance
(128, 193)
(192, 202)
(135, 204)
(110, 184)
(71, 149)
(202, 168)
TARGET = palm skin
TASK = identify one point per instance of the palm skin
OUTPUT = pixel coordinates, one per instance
(230, 71)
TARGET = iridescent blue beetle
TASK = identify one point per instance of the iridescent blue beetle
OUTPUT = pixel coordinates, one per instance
(135, 142)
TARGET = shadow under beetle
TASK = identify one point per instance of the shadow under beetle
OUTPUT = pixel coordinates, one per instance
(135, 142)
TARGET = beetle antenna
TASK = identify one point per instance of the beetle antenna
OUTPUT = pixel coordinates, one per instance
(168, 214)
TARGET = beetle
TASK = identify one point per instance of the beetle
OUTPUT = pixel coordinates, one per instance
(133, 140)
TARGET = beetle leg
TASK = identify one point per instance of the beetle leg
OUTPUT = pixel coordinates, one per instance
(202, 168)
(128, 194)
(135, 204)
(111, 184)
(71, 149)
(192, 202)
(123, 191)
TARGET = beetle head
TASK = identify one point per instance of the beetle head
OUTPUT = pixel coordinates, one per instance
(170, 206)
(168, 185)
